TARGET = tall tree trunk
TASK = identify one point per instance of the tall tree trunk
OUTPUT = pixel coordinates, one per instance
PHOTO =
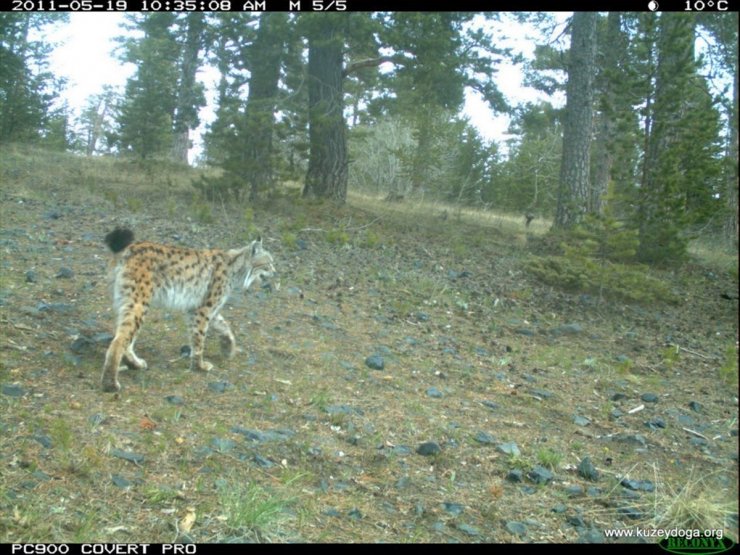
(731, 226)
(574, 193)
(659, 216)
(327, 165)
(604, 144)
(186, 111)
(265, 58)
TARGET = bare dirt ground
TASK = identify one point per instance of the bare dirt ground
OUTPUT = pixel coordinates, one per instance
(409, 382)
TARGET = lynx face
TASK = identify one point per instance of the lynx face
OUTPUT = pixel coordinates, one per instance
(196, 281)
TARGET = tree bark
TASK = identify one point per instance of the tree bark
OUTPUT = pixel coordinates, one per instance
(265, 59)
(327, 167)
(574, 189)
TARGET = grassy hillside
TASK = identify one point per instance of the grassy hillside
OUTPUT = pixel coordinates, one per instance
(494, 387)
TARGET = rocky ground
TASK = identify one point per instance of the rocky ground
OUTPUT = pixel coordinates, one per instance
(408, 382)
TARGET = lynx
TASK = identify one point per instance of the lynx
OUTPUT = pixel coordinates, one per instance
(196, 281)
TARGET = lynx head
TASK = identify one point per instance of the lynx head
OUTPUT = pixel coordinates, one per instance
(259, 265)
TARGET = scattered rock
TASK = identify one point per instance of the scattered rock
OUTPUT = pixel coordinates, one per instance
(64, 273)
(541, 393)
(509, 448)
(332, 512)
(695, 406)
(435, 393)
(97, 419)
(219, 387)
(81, 344)
(574, 490)
(120, 481)
(524, 331)
(429, 448)
(485, 438)
(355, 514)
(618, 397)
(540, 475)
(591, 535)
(375, 362)
(30, 276)
(566, 329)
(13, 390)
(490, 404)
(649, 397)
(223, 445)
(637, 485)
(515, 476)
(587, 469)
(559, 508)
(576, 520)
(262, 462)
(579, 420)
(516, 528)
(185, 351)
(342, 409)
(655, 423)
(43, 440)
(453, 508)
(469, 530)
(130, 456)
(175, 400)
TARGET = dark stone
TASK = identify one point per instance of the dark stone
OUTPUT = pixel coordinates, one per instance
(175, 400)
(342, 409)
(453, 508)
(542, 393)
(490, 404)
(591, 535)
(579, 420)
(574, 490)
(485, 438)
(516, 528)
(355, 514)
(559, 508)
(509, 448)
(375, 362)
(13, 390)
(587, 469)
(130, 456)
(435, 393)
(429, 448)
(637, 485)
(469, 530)
(332, 512)
(262, 462)
(540, 475)
(649, 397)
(44, 440)
(524, 331)
(655, 423)
(185, 351)
(30, 276)
(618, 397)
(515, 475)
(120, 481)
(80, 345)
(566, 329)
(576, 520)
(223, 445)
(695, 406)
(64, 273)
(219, 387)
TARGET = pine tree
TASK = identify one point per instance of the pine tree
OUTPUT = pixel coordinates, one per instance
(574, 191)
(148, 109)
(27, 88)
(190, 95)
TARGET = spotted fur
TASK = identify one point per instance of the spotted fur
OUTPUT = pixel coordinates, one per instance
(198, 282)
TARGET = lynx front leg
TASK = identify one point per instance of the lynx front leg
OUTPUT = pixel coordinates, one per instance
(228, 343)
(200, 321)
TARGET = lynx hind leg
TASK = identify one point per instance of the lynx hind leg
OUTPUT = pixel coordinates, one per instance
(226, 336)
(130, 358)
(131, 316)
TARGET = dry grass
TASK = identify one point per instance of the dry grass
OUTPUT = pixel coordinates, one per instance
(443, 301)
